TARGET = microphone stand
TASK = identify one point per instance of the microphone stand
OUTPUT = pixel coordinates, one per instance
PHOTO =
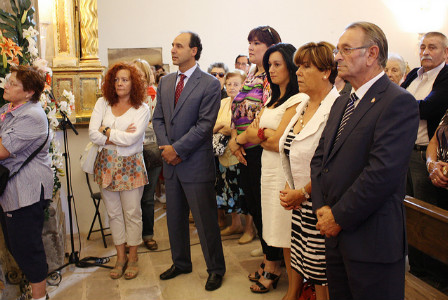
(74, 255)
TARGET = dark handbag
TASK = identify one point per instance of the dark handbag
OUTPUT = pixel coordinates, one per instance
(4, 171)
(220, 142)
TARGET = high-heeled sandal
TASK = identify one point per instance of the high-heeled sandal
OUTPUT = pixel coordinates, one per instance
(132, 270)
(118, 270)
(262, 288)
(257, 275)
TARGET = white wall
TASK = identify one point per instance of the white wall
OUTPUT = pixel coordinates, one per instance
(223, 27)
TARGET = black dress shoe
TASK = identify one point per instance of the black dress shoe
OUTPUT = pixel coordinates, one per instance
(214, 282)
(173, 272)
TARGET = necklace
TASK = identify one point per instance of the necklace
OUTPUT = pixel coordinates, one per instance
(301, 116)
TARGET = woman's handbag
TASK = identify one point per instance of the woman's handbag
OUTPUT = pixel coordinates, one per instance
(88, 157)
(308, 292)
(4, 171)
(90, 153)
(220, 142)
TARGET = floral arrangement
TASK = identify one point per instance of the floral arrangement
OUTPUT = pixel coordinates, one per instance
(18, 39)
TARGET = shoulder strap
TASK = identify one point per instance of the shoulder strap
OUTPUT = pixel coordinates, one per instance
(33, 154)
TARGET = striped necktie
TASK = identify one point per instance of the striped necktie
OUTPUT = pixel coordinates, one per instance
(347, 113)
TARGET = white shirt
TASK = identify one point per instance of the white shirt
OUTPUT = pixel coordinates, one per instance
(420, 88)
(126, 143)
(362, 90)
(187, 74)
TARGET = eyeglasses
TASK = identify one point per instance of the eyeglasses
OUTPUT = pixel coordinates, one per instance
(11, 83)
(240, 64)
(268, 29)
(347, 51)
(220, 74)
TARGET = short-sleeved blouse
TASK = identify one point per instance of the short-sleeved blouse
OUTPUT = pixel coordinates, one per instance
(22, 132)
(249, 102)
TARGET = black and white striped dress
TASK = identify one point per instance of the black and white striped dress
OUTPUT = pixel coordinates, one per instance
(307, 244)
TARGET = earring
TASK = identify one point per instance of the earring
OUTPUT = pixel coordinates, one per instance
(325, 77)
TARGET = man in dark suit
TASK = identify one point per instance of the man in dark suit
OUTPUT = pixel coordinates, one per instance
(358, 172)
(429, 85)
(187, 106)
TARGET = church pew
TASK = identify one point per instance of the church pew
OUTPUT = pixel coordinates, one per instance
(427, 230)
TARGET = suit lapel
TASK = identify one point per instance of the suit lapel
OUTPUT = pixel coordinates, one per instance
(171, 86)
(333, 123)
(371, 98)
(192, 82)
(319, 117)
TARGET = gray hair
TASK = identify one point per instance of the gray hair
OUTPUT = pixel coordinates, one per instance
(400, 60)
(375, 36)
(218, 65)
(440, 35)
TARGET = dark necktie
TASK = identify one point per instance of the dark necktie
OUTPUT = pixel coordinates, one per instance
(179, 88)
(347, 113)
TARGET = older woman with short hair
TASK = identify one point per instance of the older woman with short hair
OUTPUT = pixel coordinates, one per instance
(395, 68)
(316, 75)
(219, 70)
(23, 130)
(117, 125)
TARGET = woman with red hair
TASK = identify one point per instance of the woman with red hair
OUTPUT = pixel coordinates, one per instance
(117, 126)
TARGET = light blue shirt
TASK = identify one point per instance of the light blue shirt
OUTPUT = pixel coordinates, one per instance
(22, 132)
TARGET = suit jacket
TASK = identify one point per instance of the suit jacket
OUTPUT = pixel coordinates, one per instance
(433, 107)
(188, 127)
(362, 178)
(308, 139)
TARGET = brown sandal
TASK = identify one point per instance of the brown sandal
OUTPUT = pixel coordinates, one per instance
(132, 270)
(118, 270)
(151, 244)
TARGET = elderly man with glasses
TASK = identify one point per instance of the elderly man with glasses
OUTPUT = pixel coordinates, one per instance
(358, 172)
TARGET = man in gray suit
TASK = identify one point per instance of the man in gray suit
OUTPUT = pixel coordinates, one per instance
(187, 106)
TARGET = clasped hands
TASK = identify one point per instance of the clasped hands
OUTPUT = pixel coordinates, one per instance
(169, 155)
(326, 222)
(291, 199)
(435, 169)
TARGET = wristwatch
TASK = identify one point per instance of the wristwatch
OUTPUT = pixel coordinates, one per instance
(307, 196)
(105, 130)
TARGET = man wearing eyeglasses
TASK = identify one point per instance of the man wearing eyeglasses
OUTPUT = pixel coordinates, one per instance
(188, 102)
(358, 172)
(219, 70)
(242, 63)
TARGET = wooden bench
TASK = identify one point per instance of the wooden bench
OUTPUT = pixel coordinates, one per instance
(427, 230)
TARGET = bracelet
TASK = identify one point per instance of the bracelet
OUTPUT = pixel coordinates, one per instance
(307, 196)
(261, 135)
(428, 163)
(236, 141)
(105, 130)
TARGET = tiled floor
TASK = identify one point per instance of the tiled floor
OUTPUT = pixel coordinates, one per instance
(95, 283)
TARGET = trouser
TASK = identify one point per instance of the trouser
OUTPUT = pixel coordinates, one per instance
(125, 215)
(147, 203)
(22, 229)
(348, 279)
(200, 198)
(250, 181)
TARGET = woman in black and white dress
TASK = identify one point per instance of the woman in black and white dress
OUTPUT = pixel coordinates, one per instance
(316, 75)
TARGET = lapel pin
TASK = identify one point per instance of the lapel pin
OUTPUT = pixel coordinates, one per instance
(373, 100)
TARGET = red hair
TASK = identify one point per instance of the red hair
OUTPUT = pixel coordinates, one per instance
(138, 90)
